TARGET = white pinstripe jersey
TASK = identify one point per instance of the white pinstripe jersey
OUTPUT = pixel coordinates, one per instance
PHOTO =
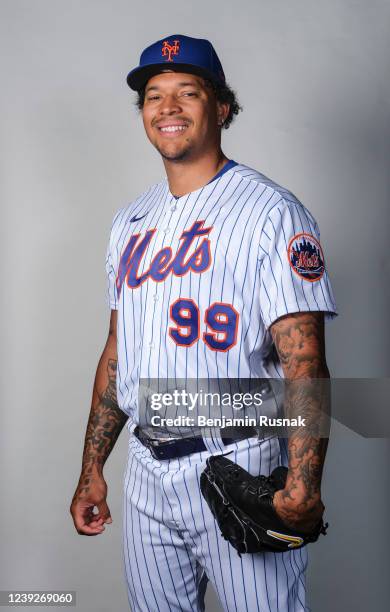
(198, 280)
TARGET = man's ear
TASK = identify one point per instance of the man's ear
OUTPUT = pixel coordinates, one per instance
(223, 109)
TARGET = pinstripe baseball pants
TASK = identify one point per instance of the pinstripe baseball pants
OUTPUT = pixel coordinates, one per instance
(172, 544)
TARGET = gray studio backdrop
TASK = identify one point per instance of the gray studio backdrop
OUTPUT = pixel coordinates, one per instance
(313, 80)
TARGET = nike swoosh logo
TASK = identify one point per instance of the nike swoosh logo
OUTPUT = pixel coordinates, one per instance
(137, 218)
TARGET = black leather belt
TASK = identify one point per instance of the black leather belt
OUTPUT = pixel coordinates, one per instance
(179, 447)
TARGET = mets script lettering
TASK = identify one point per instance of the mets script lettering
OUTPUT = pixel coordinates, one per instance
(164, 262)
(305, 260)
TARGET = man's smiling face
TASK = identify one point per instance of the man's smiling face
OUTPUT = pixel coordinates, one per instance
(181, 115)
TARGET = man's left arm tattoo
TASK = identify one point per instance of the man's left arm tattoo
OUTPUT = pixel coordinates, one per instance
(299, 341)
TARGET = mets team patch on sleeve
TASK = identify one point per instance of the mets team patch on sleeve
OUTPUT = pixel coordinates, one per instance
(305, 257)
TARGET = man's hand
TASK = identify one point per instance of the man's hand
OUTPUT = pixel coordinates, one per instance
(91, 492)
(298, 513)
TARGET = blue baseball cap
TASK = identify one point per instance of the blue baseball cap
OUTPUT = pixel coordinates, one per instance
(178, 53)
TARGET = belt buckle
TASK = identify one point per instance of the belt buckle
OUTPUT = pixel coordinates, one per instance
(158, 449)
(154, 445)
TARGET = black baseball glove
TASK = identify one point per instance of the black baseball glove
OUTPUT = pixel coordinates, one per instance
(243, 508)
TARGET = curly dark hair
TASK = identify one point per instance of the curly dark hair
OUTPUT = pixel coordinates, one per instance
(223, 94)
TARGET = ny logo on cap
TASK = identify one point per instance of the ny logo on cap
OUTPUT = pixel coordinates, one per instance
(169, 50)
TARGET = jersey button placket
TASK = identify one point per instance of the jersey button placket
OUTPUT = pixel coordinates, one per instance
(155, 297)
(149, 343)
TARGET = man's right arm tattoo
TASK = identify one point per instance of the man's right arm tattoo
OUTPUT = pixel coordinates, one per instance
(106, 421)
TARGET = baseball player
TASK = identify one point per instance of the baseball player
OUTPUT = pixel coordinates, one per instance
(214, 273)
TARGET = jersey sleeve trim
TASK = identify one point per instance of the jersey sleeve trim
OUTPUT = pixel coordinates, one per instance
(295, 307)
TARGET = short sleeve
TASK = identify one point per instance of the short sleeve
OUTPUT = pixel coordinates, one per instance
(293, 275)
(111, 268)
